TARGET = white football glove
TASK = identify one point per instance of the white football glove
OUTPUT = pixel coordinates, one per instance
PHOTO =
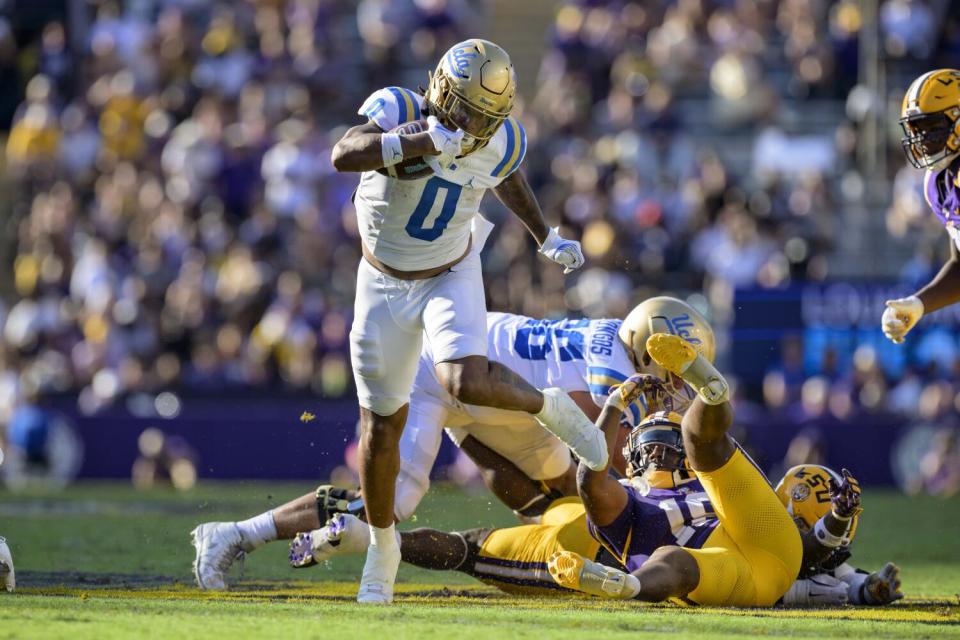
(563, 252)
(444, 140)
(900, 316)
(822, 590)
(7, 576)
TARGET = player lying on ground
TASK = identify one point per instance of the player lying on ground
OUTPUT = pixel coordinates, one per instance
(515, 559)
(426, 162)
(930, 118)
(748, 555)
(826, 509)
(585, 358)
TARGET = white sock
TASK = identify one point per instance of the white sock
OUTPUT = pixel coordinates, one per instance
(384, 539)
(257, 531)
(631, 586)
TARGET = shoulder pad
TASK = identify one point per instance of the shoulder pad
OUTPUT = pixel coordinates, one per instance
(511, 143)
(391, 107)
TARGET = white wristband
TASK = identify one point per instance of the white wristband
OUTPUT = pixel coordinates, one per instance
(824, 537)
(390, 149)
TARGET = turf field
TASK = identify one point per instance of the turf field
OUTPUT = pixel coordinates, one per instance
(104, 561)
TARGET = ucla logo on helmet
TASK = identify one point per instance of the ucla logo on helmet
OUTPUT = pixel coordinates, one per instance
(683, 326)
(458, 61)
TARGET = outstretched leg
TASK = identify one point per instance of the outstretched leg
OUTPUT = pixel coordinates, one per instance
(762, 557)
(345, 534)
(379, 456)
(706, 422)
(479, 381)
(670, 572)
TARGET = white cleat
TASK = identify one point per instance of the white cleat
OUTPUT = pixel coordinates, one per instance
(8, 578)
(379, 574)
(678, 356)
(563, 418)
(218, 546)
(343, 534)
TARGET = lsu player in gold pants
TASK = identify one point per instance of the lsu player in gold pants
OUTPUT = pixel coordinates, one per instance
(824, 505)
(724, 539)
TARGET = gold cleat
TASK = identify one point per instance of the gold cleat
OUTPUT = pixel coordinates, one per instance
(678, 356)
(565, 567)
(573, 571)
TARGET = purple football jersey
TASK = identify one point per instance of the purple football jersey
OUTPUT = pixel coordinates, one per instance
(943, 194)
(681, 516)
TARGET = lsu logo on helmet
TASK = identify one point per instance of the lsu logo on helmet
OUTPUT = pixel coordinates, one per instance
(805, 491)
(800, 493)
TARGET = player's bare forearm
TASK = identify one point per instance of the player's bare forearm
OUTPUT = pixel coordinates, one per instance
(944, 289)
(360, 148)
(603, 496)
(515, 194)
(814, 552)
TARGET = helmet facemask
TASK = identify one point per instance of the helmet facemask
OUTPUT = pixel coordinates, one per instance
(929, 140)
(455, 112)
(655, 453)
(472, 89)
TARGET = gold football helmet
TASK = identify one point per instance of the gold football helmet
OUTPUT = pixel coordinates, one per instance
(930, 118)
(473, 89)
(671, 470)
(664, 314)
(805, 491)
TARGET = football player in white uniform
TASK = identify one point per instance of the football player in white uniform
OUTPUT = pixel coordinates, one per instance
(930, 117)
(417, 207)
(585, 358)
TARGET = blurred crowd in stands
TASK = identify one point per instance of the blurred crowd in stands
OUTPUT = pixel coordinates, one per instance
(171, 218)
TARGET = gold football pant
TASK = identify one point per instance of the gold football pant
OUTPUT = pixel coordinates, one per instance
(754, 555)
(514, 559)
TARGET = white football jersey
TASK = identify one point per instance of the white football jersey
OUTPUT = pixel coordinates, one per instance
(420, 224)
(574, 355)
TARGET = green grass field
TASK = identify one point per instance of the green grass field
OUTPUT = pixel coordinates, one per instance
(105, 561)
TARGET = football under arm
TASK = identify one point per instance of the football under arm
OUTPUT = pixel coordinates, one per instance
(515, 194)
(944, 289)
(603, 496)
(360, 149)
